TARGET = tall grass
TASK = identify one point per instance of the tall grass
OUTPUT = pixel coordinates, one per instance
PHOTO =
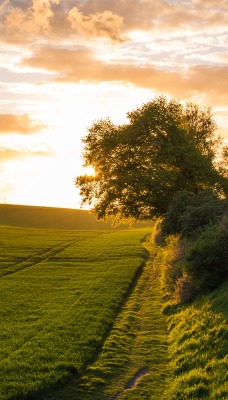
(198, 336)
(60, 293)
(199, 348)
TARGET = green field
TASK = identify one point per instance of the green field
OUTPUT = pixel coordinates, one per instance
(81, 315)
(53, 218)
(50, 218)
(60, 293)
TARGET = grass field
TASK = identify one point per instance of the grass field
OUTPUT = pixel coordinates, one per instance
(53, 218)
(82, 320)
(133, 363)
(50, 218)
(60, 293)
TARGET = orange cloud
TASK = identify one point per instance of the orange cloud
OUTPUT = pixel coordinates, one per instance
(211, 3)
(20, 25)
(49, 18)
(76, 66)
(23, 22)
(162, 15)
(136, 14)
(7, 154)
(12, 123)
(98, 24)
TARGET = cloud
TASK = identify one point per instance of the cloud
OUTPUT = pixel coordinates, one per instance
(48, 18)
(7, 154)
(161, 14)
(76, 66)
(97, 24)
(136, 14)
(22, 23)
(26, 21)
(12, 123)
(211, 4)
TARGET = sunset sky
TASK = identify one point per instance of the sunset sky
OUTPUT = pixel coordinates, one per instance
(65, 63)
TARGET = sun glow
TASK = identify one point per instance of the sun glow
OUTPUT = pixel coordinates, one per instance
(63, 76)
(89, 171)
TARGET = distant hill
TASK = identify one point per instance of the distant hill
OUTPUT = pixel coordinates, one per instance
(51, 218)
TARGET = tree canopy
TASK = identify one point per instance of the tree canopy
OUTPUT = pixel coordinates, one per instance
(140, 166)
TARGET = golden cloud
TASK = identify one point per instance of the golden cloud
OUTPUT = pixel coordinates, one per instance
(12, 123)
(98, 24)
(49, 19)
(135, 13)
(20, 25)
(76, 66)
(7, 154)
(40, 19)
(161, 14)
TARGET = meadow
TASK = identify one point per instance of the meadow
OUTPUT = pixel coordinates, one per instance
(60, 294)
(84, 315)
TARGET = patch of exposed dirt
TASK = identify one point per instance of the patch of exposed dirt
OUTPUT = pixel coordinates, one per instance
(136, 378)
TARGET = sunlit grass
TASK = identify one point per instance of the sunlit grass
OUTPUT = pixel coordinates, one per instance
(56, 310)
(199, 348)
(49, 217)
(133, 363)
(198, 344)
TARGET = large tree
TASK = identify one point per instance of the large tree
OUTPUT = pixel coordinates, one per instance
(140, 166)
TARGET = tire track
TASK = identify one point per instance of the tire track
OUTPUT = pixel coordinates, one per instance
(38, 258)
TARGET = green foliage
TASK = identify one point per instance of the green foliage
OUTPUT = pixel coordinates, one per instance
(139, 167)
(189, 213)
(60, 293)
(202, 219)
(198, 335)
(207, 259)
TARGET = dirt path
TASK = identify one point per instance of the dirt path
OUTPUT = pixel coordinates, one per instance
(133, 363)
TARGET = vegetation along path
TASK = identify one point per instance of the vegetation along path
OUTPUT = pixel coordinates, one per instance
(133, 363)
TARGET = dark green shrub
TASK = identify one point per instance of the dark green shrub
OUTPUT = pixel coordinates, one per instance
(207, 259)
(189, 214)
(172, 223)
(196, 219)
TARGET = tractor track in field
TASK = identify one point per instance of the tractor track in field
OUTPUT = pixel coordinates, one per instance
(38, 258)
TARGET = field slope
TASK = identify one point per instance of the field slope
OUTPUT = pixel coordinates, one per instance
(49, 217)
(53, 218)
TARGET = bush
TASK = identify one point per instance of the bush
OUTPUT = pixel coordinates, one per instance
(207, 259)
(173, 263)
(172, 223)
(185, 290)
(189, 214)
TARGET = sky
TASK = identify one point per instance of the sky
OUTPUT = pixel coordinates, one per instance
(65, 64)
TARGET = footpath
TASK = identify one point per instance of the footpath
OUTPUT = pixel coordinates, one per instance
(133, 363)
